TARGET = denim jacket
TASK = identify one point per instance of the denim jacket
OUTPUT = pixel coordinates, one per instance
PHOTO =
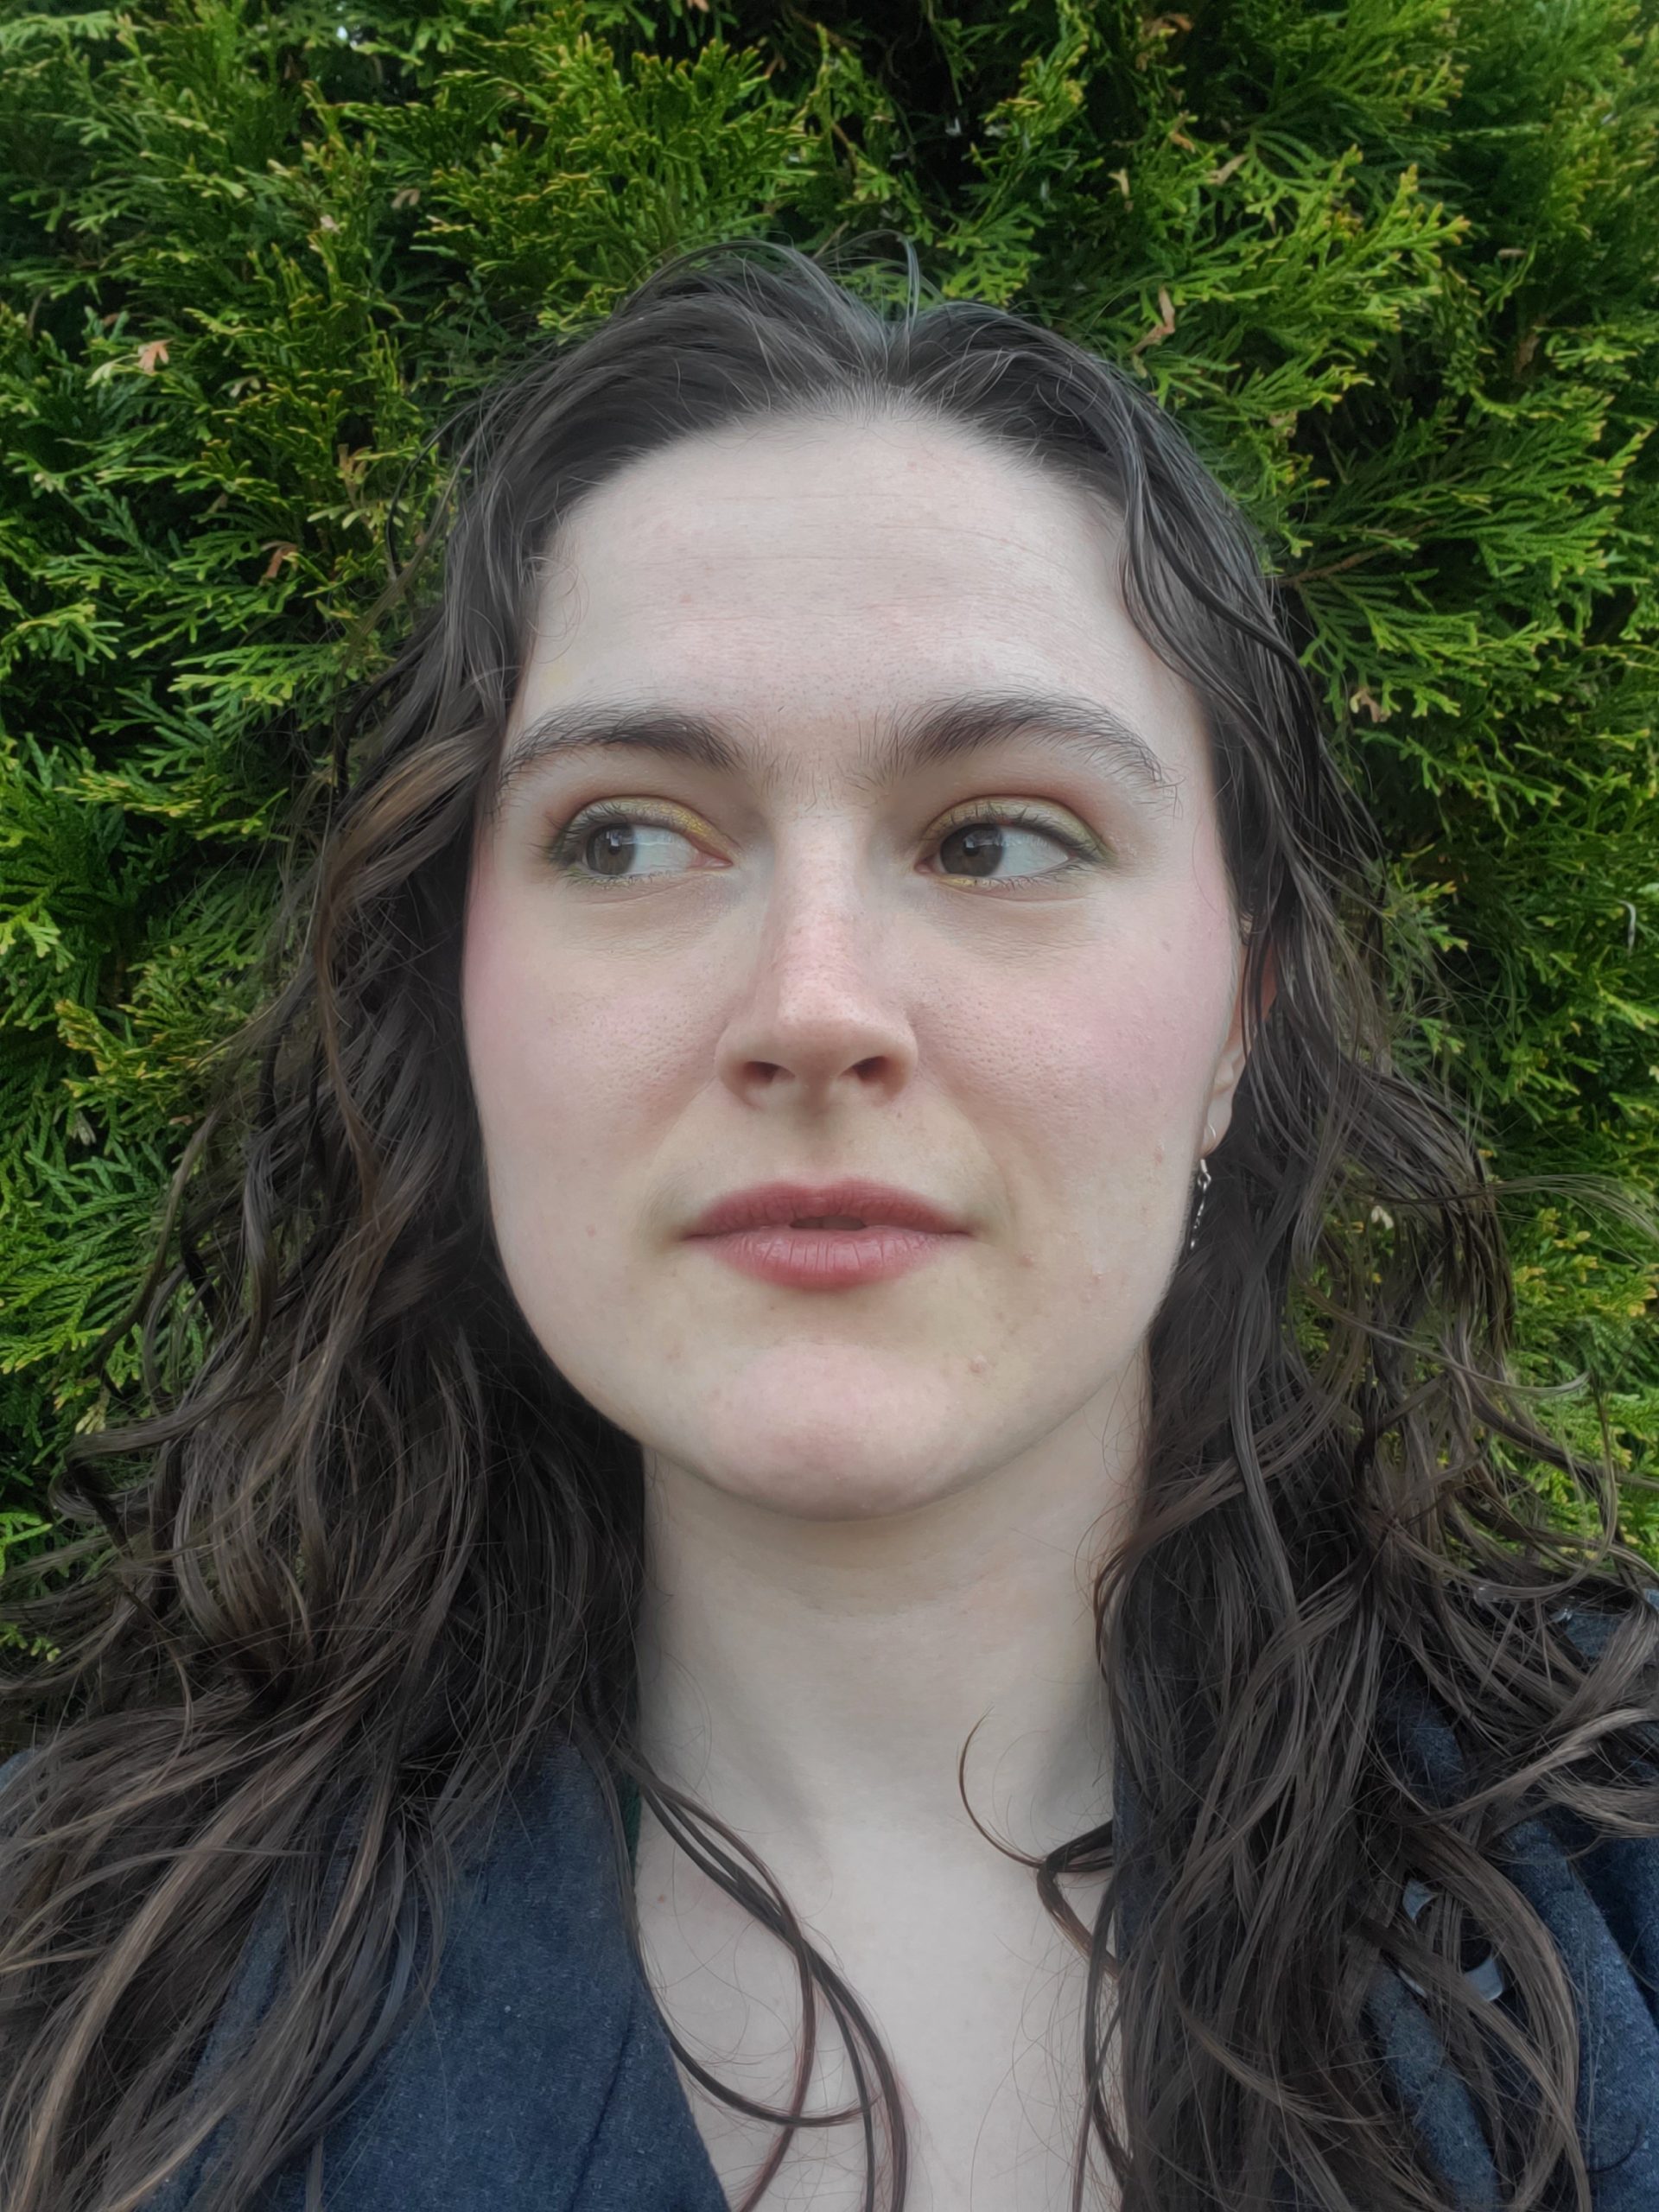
(539, 2078)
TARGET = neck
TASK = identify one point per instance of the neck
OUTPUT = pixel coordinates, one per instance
(818, 1681)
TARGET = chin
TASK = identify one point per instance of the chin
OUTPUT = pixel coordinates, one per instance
(823, 1498)
(830, 1478)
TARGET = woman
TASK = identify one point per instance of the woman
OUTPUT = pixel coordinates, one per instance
(830, 1346)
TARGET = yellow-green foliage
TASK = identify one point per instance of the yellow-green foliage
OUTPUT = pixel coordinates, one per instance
(1393, 261)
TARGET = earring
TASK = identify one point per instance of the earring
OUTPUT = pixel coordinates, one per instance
(1202, 1180)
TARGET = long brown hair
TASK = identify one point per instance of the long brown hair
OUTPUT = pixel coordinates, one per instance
(377, 1555)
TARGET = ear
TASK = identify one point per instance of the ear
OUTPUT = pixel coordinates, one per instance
(1218, 1113)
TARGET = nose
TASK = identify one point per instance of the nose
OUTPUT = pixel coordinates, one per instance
(823, 1001)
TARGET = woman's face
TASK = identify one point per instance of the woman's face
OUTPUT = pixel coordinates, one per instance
(806, 955)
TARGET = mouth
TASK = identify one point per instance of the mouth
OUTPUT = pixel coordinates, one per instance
(848, 1206)
(823, 1252)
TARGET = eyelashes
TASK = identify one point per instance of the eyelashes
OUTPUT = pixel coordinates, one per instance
(567, 849)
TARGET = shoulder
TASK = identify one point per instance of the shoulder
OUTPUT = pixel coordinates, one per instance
(539, 2075)
(1596, 1891)
(1596, 1895)
(12, 1770)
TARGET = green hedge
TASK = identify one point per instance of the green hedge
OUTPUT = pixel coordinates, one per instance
(1393, 261)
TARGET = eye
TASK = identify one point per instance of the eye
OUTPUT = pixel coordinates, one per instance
(606, 839)
(972, 844)
(613, 842)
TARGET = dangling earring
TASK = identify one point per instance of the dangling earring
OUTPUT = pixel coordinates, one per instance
(1202, 1180)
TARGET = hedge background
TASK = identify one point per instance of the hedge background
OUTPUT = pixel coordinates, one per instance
(1393, 261)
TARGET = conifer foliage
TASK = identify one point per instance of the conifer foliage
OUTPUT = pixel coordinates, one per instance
(1393, 262)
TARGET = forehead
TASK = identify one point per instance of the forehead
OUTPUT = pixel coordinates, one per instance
(803, 575)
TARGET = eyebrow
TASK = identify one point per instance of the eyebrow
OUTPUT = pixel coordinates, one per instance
(923, 737)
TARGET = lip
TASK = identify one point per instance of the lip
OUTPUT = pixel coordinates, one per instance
(774, 1206)
(826, 1259)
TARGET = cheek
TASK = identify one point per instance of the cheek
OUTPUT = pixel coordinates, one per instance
(1100, 1078)
(523, 1058)
(561, 1064)
(1123, 1044)
(542, 1061)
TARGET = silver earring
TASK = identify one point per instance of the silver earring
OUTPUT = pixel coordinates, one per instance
(1202, 1180)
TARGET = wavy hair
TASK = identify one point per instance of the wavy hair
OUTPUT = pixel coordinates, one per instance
(377, 1555)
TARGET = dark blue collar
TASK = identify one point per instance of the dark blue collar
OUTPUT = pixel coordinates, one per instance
(539, 2077)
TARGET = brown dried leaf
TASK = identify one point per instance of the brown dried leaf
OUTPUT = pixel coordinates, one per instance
(279, 554)
(151, 354)
(1164, 327)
